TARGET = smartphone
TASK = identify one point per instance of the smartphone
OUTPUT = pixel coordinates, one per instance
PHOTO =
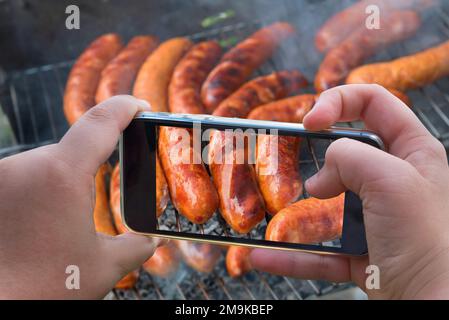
(306, 224)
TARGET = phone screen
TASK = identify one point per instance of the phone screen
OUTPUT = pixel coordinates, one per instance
(238, 185)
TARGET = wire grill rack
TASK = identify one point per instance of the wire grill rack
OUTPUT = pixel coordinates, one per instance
(32, 100)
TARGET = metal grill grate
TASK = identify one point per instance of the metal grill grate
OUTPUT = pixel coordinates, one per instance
(32, 100)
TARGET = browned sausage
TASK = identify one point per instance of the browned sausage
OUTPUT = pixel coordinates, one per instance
(114, 192)
(118, 76)
(277, 157)
(191, 189)
(188, 76)
(200, 256)
(340, 25)
(79, 95)
(103, 219)
(406, 73)
(240, 62)
(155, 74)
(260, 91)
(237, 261)
(363, 43)
(192, 192)
(308, 221)
(291, 109)
(164, 262)
(241, 203)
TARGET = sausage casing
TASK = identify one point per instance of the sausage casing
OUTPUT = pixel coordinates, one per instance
(191, 189)
(241, 203)
(363, 43)
(259, 91)
(237, 261)
(277, 157)
(184, 90)
(354, 17)
(406, 73)
(192, 192)
(202, 257)
(308, 221)
(82, 83)
(154, 76)
(119, 75)
(240, 62)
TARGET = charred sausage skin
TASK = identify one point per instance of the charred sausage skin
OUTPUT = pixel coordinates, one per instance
(120, 73)
(240, 62)
(82, 83)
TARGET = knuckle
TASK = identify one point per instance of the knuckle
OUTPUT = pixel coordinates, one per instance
(99, 113)
(337, 147)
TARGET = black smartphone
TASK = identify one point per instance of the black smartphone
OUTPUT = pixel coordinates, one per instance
(288, 217)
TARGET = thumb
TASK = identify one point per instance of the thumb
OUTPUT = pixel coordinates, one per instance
(128, 251)
(356, 166)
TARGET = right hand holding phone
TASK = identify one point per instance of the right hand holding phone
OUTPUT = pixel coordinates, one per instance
(405, 195)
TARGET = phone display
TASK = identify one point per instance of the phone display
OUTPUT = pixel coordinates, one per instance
(182, 176)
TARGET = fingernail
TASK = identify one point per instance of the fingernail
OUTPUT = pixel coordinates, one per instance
(308, 185)
(144, 105)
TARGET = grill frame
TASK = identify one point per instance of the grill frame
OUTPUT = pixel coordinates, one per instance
(16, 95)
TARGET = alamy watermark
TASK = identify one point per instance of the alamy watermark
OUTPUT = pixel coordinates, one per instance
(72, 282)
(372, 21)
(230, 146)
(372, 281)
(73, 19)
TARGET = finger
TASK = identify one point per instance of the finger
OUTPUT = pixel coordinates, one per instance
(128, 251)
(308, 265)
(402, 132)
(92, 139)
(350, 165)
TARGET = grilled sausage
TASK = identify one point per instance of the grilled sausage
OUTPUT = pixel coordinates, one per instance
(363, 43)
(155, 74)
(260, 91)
(291, 109)
(188, 76)
(343, 23)
(164, 262)
(79, 95)
(237, 261)
(277, 157)
(200, 256)
(239, 63)
(118, 76)
(161, 195)
(103, 219)
(406, 73)
(241, 203)
(308, 221)
(191, 189)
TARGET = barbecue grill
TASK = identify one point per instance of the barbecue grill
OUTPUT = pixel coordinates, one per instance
(32, 100)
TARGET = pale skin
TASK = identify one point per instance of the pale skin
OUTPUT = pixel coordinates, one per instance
(405, 195)
(46, 204)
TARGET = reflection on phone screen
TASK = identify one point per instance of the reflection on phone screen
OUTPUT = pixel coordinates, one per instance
(257, 179)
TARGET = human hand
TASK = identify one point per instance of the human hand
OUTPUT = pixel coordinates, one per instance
(46, 203)
(405, 197)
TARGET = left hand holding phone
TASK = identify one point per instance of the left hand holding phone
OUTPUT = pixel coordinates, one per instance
(46, 203)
